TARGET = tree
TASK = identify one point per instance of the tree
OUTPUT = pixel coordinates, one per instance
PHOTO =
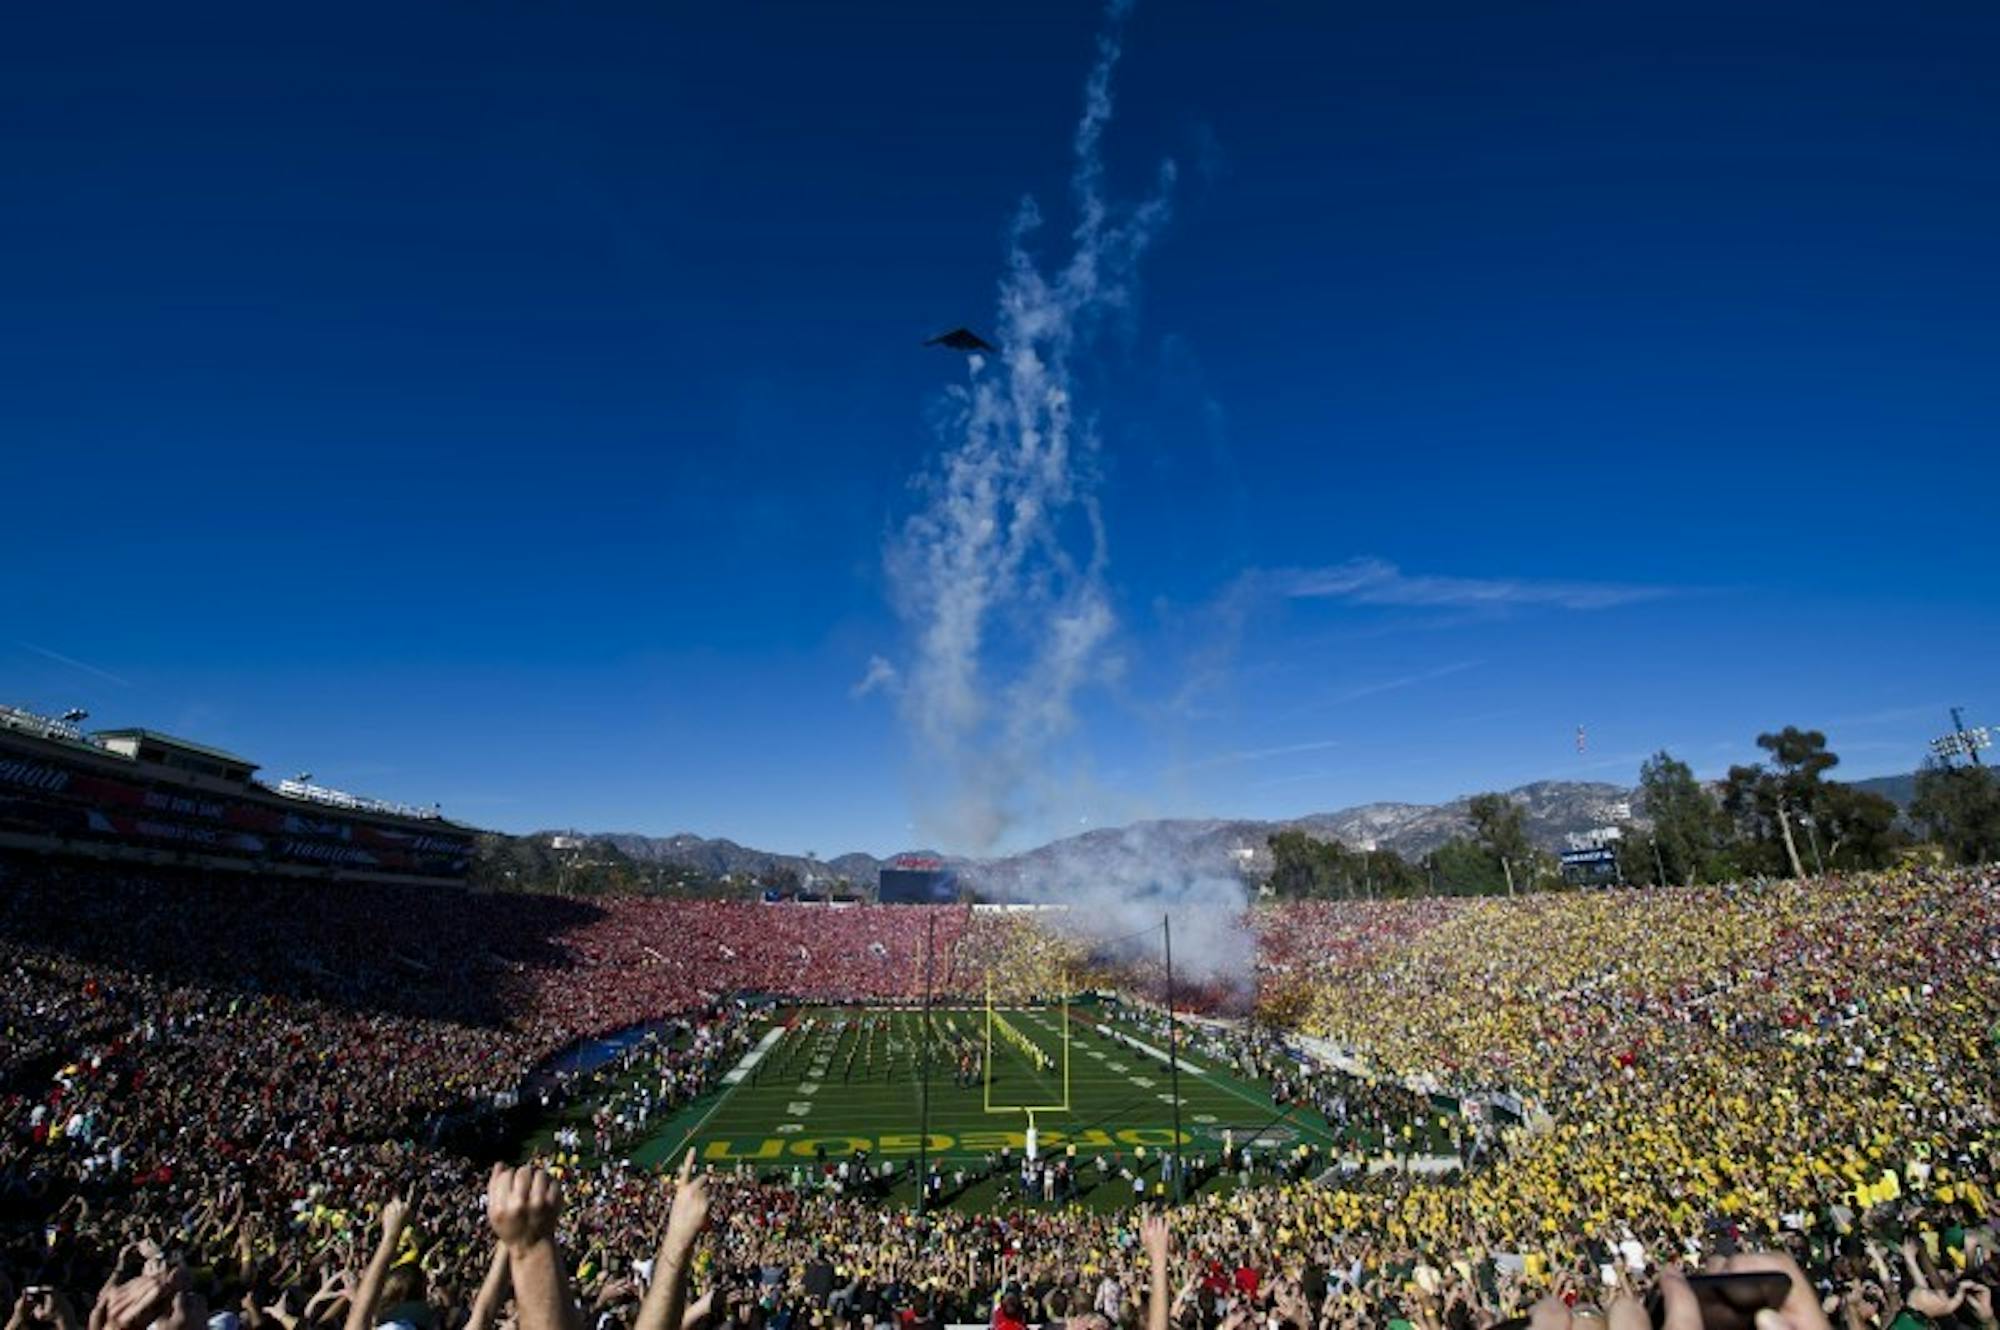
(1689, 828)
(1463, 867)
(1499, 826)
(1751, 798)
(1389, 874)
(1959, 808)
(1638, 864)
(1305, 868)
(1302, 868)
(1801, 758)
(532, 863)
(1787, 805)
(1764, 801)
(1856, 829)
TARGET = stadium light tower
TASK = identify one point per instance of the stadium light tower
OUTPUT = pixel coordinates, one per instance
(1962, 742)
(75, 714)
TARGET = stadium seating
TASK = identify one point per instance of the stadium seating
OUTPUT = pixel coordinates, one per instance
(237, 1074)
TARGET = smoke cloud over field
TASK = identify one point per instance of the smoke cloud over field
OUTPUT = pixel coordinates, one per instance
(1120, 883)
(999, 576)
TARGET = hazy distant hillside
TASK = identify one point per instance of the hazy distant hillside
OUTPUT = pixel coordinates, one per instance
(1193, 846)
(1898, 790)
(723, 858)
(1213, 847)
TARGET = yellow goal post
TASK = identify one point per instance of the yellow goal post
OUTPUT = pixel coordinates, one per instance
(993, 1017)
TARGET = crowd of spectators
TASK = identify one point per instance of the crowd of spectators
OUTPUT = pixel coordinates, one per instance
(1774, 1061)
(228, 1098)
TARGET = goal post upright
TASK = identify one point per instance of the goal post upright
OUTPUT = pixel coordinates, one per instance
(1065, 1037)
(992, 1014)
(1173, 1056)
(924, 1070)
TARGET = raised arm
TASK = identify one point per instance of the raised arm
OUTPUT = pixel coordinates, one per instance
(523, 1205)
(666, 1297)
(492, 1291)
(361, 1309)
(1919, 1278)
(1153, 1235)
(138, 1303)
(333, 1291)
(246, 1247)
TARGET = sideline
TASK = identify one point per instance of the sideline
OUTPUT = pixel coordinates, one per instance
(732, 1082)
(1327, 1136)
(1157, 1054)
(756, 1055)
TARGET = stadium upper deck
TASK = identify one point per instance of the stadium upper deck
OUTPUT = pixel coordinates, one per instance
(140, 795)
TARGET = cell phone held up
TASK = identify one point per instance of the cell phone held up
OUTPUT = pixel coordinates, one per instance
(1730, 1302)
(1727, 1302)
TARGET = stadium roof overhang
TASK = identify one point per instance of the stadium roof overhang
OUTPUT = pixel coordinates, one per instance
(186, 746)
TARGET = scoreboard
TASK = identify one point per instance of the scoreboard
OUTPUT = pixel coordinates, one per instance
(1596, 864)
(912, 881)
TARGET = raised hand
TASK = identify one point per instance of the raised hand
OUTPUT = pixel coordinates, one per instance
(278, 1312)
(189, 1311)
(1551, 1313)
(1801, 1309)
(1680, 1310)
(523, 1205)
(1155, 1238)
(139, 1302)
(368, 1294)
(492, 1290)
(1291, 1306)
(395, 1215)
(666, 1299)
(53, 1308)
(690, 1213)
(1929, 1302)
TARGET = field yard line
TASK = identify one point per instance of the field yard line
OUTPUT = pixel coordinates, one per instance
(1262, 1106)
(1220, 1081)
(741, 1071)
(749, 1060)
(1157, 1054)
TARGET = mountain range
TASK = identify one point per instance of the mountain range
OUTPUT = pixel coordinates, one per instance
(1238, 847)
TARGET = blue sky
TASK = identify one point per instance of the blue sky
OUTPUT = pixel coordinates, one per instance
(512, 406)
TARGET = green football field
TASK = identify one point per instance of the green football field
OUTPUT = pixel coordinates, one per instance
(822, 1083)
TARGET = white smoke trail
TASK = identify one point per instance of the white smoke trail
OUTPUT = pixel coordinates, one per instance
(1000, 577)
